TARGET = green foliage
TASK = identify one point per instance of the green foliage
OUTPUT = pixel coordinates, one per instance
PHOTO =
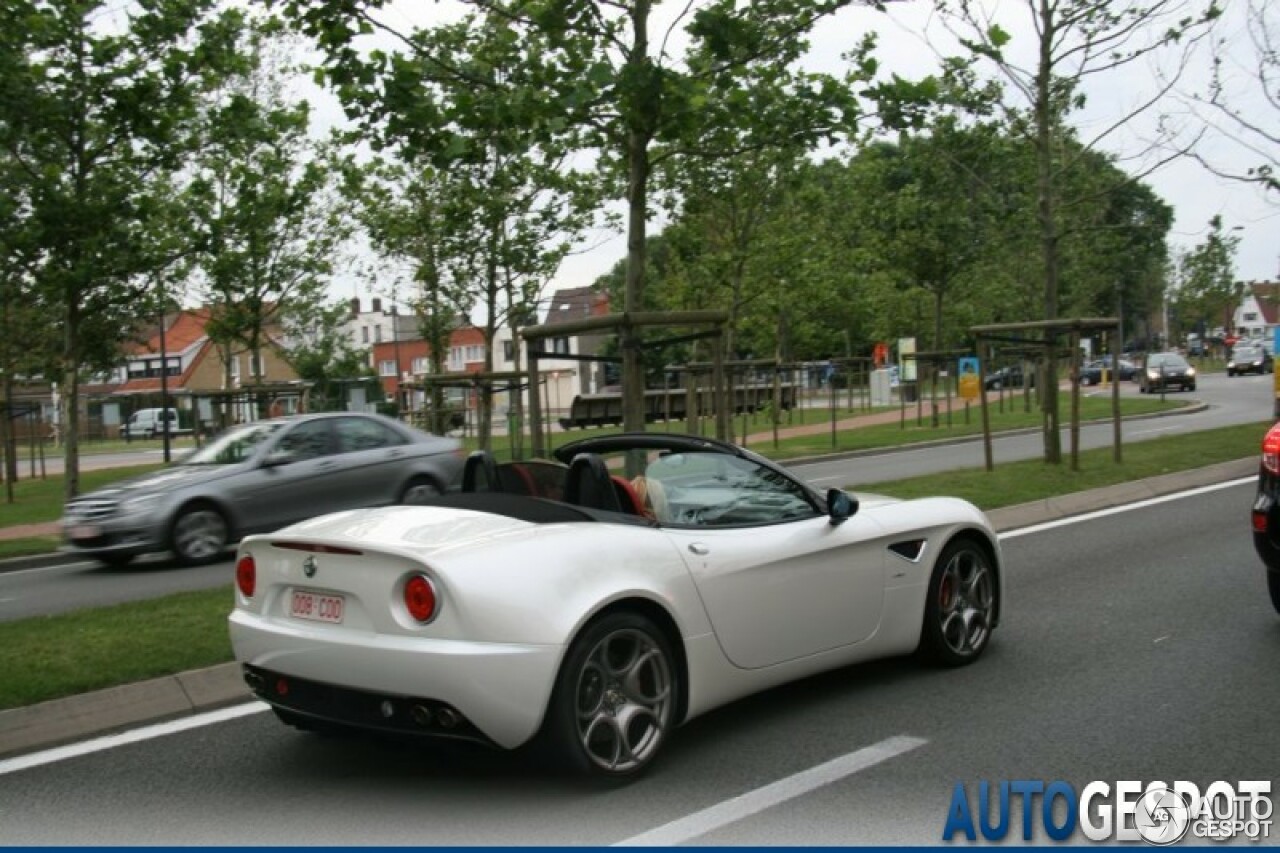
(263, 206)
(97, 112)
(1205, 290)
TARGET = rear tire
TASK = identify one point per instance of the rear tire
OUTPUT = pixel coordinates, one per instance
(614, 701)
(962, 603)
(1273, 586)
(419, 490)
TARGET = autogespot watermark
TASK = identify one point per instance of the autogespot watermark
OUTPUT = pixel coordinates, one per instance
(1155, 812)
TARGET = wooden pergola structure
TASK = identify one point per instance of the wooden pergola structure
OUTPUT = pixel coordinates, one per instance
(1050, 332)
(628, 326)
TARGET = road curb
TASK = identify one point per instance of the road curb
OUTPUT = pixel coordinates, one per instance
(59, 721)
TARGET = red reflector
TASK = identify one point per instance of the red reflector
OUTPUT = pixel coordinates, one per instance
(317, 549)
(246, 575)
(420, 598)
(282, 687)
(1271, 450)
(1259, 522)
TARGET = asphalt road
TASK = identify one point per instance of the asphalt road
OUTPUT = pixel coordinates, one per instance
(1242, 399)
(1136, 646)
(58, 589)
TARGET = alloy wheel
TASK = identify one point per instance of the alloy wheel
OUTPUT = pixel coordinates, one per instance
(623, 700)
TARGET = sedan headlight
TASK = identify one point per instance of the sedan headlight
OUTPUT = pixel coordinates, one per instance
(141, 505)
(1191, 371)
(1153, 374)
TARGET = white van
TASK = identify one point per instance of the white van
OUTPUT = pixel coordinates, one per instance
(146, 423)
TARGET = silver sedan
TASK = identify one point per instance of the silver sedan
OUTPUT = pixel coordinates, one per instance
(258, 477)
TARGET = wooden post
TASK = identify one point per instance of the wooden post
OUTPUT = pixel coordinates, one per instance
(1075, 399)
(722, 405)
(536, 445)
(986, 414)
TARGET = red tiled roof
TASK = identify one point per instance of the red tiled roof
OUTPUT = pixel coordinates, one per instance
(187, 328)
(1267, 294)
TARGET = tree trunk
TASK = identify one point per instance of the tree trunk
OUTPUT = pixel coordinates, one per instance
(1048, 230)
(637, 190)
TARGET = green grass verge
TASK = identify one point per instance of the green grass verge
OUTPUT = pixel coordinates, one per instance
(54, 656)
(1012, 483)
(28, 546)
(37, 501)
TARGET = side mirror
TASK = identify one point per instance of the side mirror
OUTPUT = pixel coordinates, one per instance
(840, 505)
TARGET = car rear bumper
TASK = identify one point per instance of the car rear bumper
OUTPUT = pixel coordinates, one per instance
(406, 685)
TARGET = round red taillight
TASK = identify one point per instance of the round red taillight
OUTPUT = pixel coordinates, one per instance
(1271, 450)
(246, 575)
(420, 598)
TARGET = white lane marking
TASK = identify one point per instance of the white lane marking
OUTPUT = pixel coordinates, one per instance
(75, 750)
(1154, 431)
(1116, 510)
(59, 567)
(753, 802)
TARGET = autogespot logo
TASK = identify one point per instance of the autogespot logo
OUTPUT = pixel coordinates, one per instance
(1154, 812)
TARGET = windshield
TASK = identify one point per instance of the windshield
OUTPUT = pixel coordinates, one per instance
(235, 445)
(1168, 360)
(1247, 352)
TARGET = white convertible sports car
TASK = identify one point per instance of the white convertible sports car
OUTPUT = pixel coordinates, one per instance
(591, 604)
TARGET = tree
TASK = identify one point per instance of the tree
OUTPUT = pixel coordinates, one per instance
(1205, 290)
(1074, 41)
(94, 109)
(601, 77)
(1242, 98)
(263, 205)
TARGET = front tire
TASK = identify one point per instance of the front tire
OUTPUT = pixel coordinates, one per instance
(615, 699)
(200, 534)
(963, 599)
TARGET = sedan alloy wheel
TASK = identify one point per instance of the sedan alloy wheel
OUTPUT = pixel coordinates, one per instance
(199, 535)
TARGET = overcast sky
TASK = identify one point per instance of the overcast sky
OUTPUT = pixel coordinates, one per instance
(910, 36)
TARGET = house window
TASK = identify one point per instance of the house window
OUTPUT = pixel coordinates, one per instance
(364, 334)
(508, 351)
(377, 333)
(474, 353)
(455, 358)
(560, 346)
(1250, 316)
(255, 366)
(387, 368)
(420, 364)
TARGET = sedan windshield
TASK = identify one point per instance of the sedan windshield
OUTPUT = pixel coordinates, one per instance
(235, 445)
(1247, 352)
(1168, 360)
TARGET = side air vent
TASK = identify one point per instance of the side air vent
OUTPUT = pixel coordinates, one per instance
(911, 550)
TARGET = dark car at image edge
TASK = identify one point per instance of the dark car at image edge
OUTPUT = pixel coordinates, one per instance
(1266, 512)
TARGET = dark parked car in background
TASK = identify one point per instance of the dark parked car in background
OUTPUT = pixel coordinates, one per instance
(1162, 371)
(1266, 513)
(1091, 373)
(258, 477)
(1007, 377)
(1249, 358)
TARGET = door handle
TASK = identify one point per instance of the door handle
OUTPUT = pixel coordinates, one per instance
(699, 549)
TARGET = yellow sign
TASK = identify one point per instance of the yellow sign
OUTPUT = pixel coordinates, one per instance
(969, 378)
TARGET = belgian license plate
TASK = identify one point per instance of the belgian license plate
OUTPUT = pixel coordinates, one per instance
(316, 607)
(84, 531)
